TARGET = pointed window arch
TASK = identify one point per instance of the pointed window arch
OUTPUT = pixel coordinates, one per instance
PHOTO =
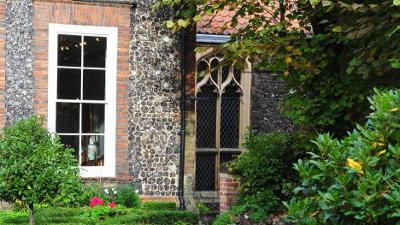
(222, 115)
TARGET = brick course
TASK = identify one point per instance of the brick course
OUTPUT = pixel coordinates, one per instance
(228, 191)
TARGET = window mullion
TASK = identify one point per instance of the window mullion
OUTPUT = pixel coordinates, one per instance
(218, 129)
(80, 104)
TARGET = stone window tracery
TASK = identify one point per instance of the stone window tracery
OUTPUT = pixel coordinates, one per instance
(222, 104)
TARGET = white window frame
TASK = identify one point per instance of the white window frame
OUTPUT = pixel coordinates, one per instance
(111, 33)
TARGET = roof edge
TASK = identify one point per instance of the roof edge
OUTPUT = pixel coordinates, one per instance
(212, 38)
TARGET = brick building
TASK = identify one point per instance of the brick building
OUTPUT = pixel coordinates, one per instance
(105, 74)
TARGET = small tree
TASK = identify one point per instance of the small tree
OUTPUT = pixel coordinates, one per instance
(34, 166)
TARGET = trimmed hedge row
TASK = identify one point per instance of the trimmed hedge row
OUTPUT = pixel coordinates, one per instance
(76, 216)
(158, 206)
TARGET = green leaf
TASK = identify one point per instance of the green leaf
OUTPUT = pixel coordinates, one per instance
(396, 2)
(183, 23)
(315, 2)
(326, 3)
(337, 29)
(197, 18)
(170, 24)
(395, 63)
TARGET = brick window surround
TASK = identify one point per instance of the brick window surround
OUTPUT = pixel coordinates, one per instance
(93, 14)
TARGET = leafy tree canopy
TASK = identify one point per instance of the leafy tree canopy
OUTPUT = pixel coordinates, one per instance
(35, 167)
(331, 53)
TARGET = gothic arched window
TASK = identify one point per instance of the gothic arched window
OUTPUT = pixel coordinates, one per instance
(221, 117)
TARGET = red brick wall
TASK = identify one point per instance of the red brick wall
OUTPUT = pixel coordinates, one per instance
(228, 191)
(2, 62)
(94, 14)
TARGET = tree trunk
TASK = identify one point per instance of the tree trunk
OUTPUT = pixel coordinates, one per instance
(31, 214)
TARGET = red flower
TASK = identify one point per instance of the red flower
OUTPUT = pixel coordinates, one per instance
(111, 205)
(96, 201)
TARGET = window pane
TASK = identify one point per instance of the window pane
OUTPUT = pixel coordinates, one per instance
(230, 111)
(94, 84)
(206, 117)
(225, 73)
(92, 118)
(95, 51)
(69, 84)
(71, 141)
(215, 67)
(237, 74)
(205, 172)
(69, 50)
(202, 70)
(67, 118)
(92, 150)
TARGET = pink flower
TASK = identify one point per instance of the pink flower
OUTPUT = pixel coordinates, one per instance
(95, 201)
(111, 205)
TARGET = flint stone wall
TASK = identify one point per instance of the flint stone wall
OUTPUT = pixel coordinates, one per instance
(153, 105)
(267, 93)
(19, 60)
(153, 86)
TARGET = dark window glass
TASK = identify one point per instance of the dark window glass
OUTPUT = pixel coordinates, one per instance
(69, 84)
(237, 72)
(206, 117)
(225, 73)
(94, 84)
(71, 141)
(92, 118)
(92, 150)
(205, 172)
(202, 70)
(95, 51)
(215, 66)
(69, 50)
(230, 111)
(67, 118)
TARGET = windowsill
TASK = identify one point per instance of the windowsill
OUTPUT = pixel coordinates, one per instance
(97, 171)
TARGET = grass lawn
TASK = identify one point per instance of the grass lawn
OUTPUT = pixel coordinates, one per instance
(80, 216)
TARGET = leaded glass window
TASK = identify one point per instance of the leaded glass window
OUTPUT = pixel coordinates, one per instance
(219, 100)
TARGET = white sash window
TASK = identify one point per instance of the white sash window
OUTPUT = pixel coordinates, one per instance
(82, 94)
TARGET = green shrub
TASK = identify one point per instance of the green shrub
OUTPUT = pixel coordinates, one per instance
(158, 217)
(36, 167)
(203, 209)
(89, 191)
(224, 219)
(122, 195)
(159, 206)
(127, 196)
(266, 172)
(54, 215)
(354, 180)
